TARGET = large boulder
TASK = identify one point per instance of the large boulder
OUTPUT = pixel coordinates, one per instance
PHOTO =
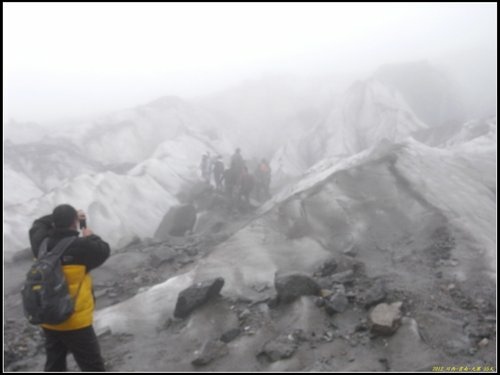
(177, 221)
(386, 318)
(293, 285)
(196, 296)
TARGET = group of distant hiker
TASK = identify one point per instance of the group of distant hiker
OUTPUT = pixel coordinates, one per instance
(236, 181)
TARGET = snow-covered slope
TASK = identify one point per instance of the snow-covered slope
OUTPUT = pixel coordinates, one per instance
(119, 208)
(18, 187)
(157, 150)
(46, 164)
(132, 135)
(176, 161)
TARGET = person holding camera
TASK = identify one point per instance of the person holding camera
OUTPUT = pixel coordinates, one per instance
(75, 335)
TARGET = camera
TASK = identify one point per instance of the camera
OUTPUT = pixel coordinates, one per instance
(83, 223)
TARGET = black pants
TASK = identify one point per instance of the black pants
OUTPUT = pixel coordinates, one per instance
(82, 343)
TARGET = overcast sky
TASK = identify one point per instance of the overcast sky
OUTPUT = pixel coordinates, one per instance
(76, 59)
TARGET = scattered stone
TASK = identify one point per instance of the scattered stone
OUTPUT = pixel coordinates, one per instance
(375, 294)
(484, 342)
(344, 277)
(319, 301)
(177, 221)
(192, 251)
(248, 330)
(260, 288)
(386, 318)
(457, 346)
(212, 350)
(327, 268)
(230, 335)
(328, 336)
(325, 293)
(105, 332)
(100, 293)
(362, 326)
(280, 348)
(351, 251)
(479, 329)
(197, 295)
(184, 261)
(244, 314)
(336, 304)
(163, 254)
(339, 288)
(293, 285)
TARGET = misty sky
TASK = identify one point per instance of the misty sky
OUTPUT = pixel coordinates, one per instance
(75, 59)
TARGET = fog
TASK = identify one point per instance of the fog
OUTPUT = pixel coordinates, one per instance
(65, 61)
(274, 187)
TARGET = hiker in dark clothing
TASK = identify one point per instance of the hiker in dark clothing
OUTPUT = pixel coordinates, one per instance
(218, 171)
(75, 335)
(263, 180)
(229, 182)
(246, 186)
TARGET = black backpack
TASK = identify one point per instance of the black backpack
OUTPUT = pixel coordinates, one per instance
(46, 298)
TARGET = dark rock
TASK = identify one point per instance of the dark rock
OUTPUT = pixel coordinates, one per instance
(211, 350)
(320, 302)
(177, 221)
(385, 319)
(375, 294)
(327, 268)
(197, 295)
(230, 335)
(337, 303)
(293, 285)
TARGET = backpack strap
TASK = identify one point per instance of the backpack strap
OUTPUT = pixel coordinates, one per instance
(59, 249)
(43, 247)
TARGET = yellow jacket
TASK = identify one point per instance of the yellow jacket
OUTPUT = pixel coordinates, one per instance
(84, 304)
